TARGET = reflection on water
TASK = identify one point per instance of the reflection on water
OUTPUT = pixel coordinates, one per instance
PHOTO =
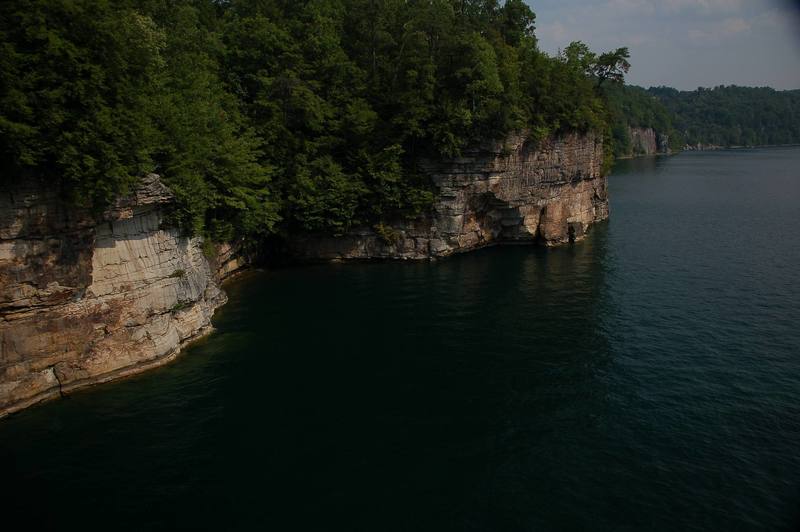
(646, 378)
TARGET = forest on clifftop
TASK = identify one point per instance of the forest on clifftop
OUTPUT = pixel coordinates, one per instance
(276, 115)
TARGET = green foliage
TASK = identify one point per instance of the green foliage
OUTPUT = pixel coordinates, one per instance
(722, 116)
(611, 66)
(386, 233)
(206, 152)
(76, 77)
(734, 116)
(209, 249)
(179, 306)
(276, 116)
(95, 94)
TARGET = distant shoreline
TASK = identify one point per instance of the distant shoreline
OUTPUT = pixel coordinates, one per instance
(705, 148)
(718, 148)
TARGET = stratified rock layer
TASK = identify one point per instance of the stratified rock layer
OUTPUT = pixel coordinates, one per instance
(84, 302)
(549, 192)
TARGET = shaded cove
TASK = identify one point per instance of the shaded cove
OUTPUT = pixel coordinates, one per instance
(645, 378)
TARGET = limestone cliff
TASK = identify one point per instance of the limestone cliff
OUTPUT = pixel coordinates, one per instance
(518, 190)
(85, 301)
(646, 141)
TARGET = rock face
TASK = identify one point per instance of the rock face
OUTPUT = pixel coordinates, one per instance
(646, 141)
(83, 301)
(86, 299)
(549, 192)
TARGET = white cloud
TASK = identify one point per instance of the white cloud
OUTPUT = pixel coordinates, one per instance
(703, 6)
(718, 32)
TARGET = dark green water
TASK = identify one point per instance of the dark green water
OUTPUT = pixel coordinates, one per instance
(645, 379)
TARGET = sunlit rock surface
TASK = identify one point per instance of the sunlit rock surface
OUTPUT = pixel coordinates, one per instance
(83, 301)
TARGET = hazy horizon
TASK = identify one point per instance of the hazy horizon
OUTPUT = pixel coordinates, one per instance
(684, 44)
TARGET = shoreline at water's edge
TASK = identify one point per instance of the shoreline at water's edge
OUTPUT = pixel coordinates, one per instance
(733, 148)
(242, 268)
(298, 261)
(117, 375)
(644, 155)
(123, 294)
(694, 150)
(61, 391)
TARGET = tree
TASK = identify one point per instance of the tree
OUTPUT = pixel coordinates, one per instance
(611, 66)
(517, 22)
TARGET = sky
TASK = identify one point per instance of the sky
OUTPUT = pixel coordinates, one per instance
(684, 43)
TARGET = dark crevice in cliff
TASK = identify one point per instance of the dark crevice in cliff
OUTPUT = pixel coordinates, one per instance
(539, 238)
(58, 380)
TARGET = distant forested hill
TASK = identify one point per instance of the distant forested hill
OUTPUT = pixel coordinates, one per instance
(733, 116)
(722, 116)
(634, 107)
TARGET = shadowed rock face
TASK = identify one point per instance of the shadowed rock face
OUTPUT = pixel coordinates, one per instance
(83, 301)
(646, 141)
(515, 191)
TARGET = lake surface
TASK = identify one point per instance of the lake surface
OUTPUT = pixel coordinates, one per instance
(647, 378)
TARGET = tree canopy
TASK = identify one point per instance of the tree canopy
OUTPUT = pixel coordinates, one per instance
(733, 116)
(275, 115)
